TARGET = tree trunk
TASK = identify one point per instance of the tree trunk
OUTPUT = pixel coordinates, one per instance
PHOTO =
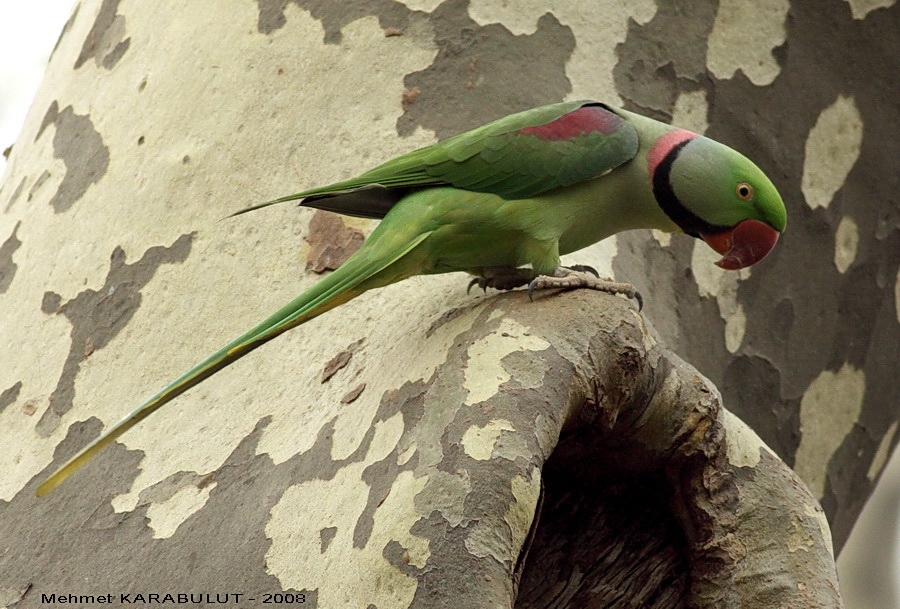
(393, 452)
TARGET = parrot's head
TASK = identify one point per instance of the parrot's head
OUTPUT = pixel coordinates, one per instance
(717, 194)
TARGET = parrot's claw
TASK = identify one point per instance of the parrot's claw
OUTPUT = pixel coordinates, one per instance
(481, 282)
(582, 277)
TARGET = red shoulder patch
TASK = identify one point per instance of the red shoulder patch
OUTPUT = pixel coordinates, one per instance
(582, 121)
(664, 145)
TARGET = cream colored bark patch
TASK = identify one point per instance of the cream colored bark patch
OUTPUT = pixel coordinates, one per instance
(846, 240)
(407, 453)
(861, 8)
(490, 536)
(519, 18)
(707, 275)
(662, 237)
(166, 517)
(743, 446)
(883, 452)
(743, 37)
(799, 538)
(437, 415)
(597, 32)
(478, 442)
(723, 285)
(299, 558)
(691, 111)
(425, 6)
(520, 514)
(735, 328)
(20, 461)
(485, 371)
(832, 149)
(828, 411)
(897, 295)
(387, 435)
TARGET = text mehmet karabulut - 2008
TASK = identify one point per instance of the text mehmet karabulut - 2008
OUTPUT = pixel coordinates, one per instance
(184, 598)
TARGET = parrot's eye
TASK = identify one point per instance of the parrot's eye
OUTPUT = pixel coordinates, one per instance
(744, 191)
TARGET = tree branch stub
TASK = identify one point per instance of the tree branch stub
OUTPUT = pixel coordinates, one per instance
(645, 441)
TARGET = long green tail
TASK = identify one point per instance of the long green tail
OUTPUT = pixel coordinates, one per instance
(342, 285)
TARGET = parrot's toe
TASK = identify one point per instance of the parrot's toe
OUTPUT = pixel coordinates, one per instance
(583, 277)
(584, 269)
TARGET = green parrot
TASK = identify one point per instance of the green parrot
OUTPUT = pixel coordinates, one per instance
(503, 202)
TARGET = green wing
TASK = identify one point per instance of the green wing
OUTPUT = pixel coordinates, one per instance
(517, 157)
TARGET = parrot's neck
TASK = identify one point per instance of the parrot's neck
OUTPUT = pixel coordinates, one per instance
(622, 200)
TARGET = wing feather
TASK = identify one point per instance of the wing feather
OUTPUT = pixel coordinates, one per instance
(520, 156)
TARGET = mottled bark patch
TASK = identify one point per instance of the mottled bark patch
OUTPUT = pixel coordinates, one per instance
(15, 194)
(40, 181)
(480, 73)
(97, 316)
(327, 534)
(485, 72)
(437, 495)
(334, 15)
(7, 266)
(105, 43)
(81, 148)
(752, 383)
(10, 395)
(664, 56)
(220, 548)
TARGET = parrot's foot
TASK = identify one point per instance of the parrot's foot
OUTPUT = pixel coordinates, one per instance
(502, 278)
(583, 277)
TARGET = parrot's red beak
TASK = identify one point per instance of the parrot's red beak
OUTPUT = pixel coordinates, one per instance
(745, 244)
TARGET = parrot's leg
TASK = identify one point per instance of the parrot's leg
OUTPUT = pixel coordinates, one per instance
(571, 278)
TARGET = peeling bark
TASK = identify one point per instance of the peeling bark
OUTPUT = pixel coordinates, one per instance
(331, 243)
